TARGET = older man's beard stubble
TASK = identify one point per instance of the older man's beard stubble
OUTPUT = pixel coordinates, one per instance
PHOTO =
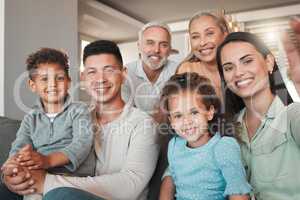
(149, 61)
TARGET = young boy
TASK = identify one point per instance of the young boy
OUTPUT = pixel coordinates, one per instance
(56, 135)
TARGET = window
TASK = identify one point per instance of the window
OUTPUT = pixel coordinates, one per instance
(84, 43)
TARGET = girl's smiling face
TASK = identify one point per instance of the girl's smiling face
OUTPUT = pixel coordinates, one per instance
(189, 116)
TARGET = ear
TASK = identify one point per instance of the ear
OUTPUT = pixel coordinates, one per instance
(169, 119)
(124, 74)
(81, 76)
(210, 113)
(69, 82)
(82, 80)
(225, 34)
(270, 60)
(32, 85)
(139, 46)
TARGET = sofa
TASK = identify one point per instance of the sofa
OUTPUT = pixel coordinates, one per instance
(9, 128)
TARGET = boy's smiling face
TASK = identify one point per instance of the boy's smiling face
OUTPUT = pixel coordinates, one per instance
(50, 83)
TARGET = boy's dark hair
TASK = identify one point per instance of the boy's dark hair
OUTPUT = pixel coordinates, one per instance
(47, 56)
(202, 86)
(102, 47)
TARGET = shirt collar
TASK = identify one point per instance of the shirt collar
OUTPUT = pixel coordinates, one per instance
(40, 107)
(141, 73)
(275, 107)
(126, 110)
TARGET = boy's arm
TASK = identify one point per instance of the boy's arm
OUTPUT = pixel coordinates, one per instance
(27, 157)
(23, 135)
(167, 189)
(56, 159)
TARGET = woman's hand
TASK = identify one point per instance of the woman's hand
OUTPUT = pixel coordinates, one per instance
(293, 54)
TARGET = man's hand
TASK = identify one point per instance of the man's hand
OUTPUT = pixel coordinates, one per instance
(39, 178)
(10, 162)
(27, 157)
(16, 178)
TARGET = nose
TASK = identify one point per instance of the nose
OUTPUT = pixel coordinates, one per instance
(52, 82)
(240, 71)
(157, 48)
(187, 120)
(100, 77)
(203, 41)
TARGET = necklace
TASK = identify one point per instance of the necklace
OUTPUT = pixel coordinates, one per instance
(249, 133)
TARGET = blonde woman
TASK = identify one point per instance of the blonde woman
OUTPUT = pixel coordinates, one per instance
(207, 30)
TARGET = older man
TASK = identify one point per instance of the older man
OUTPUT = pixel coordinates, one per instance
(147, 75)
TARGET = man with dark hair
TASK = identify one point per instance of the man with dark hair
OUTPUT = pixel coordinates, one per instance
(103, 47)
(125, 139)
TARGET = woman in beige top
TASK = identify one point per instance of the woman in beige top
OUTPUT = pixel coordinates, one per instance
(207, 31)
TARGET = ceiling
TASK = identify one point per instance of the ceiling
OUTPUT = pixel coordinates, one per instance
(120, 20)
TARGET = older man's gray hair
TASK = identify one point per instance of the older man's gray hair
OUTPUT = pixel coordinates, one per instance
(154, 24)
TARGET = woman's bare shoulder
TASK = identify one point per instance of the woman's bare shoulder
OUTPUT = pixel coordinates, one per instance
(188, 67)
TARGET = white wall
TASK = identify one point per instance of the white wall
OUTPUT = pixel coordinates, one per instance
(29, 25)
(1, 57)
(129, 51)
(181, 43)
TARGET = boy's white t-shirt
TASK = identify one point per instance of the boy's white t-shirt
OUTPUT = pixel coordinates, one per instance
(51, 116)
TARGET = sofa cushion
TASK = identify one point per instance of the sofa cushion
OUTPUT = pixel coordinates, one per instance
(8, 130)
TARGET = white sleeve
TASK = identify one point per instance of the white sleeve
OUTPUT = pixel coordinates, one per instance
(130, 181)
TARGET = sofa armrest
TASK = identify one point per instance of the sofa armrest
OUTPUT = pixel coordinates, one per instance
(8, 130)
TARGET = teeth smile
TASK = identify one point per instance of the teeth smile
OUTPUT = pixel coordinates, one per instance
(155, 57)
(101, 88)
(206, 51)
(244, 82)
(189, 131)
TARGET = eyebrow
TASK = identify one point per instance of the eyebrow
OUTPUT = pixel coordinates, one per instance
(193, 109)
(174, 113)
(119, 66)
(245, 56)
(207, 29)
(211, 27)
(164, 42)
(149, 40)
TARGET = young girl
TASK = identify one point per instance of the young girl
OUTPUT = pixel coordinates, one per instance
(207, 30)
(270, 134)
(204, 164)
